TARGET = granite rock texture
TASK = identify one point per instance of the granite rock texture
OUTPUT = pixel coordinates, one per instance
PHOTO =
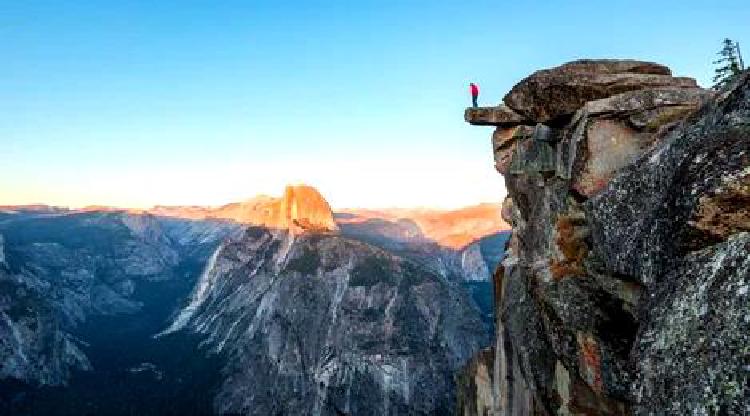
(320, 324)
(625, 285)
(551, 94)
(501, 115)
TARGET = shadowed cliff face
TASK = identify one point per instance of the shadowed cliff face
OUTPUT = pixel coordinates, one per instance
(319, 324)
(461, 245)
(625, 286)
(81, 294)
(455, 244)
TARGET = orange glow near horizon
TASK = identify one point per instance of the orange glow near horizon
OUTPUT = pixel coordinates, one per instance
(368, 183)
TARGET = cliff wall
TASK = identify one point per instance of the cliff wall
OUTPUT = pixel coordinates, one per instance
(625, 287)
(319, 324)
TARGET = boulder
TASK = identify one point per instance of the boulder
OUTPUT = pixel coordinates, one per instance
(550, 95)
(613, 66)
(607, 134)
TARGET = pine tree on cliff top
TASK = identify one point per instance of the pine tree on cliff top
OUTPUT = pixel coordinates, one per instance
(730, 64)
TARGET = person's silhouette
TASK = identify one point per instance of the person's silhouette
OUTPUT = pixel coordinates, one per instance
(474, 93)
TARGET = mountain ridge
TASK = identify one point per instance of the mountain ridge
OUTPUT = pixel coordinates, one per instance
(454, 228)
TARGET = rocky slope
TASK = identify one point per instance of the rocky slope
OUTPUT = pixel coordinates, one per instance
(61, 269)
(33, 347)
(625, 289)
(458, 244)
(461, 245)
(311, 322)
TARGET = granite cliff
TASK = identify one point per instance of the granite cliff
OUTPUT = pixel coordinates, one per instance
(300, 207)
(625, 285)
(309, 321)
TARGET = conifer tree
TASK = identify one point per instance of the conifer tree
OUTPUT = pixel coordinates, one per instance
(729, 64)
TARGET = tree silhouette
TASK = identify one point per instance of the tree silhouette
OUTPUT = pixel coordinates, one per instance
(730, 64)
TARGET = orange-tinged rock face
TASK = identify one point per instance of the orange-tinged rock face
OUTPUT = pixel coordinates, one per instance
(611, 145)
(301, 207)
(452, 229)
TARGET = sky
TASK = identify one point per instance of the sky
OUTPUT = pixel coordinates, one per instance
(134, 104)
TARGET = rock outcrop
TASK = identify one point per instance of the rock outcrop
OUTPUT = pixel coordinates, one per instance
(553, 94)
(613, 132)
(625, 287)
(501, 115)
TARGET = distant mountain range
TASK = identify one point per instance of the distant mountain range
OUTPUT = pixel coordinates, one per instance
(455, 229)
(463, 241)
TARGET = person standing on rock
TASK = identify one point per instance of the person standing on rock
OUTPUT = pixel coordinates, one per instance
(474, 93)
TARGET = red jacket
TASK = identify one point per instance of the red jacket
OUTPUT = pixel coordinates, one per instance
(474, 90)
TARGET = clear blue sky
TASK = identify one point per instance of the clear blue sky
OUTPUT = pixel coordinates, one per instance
(139, 103)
